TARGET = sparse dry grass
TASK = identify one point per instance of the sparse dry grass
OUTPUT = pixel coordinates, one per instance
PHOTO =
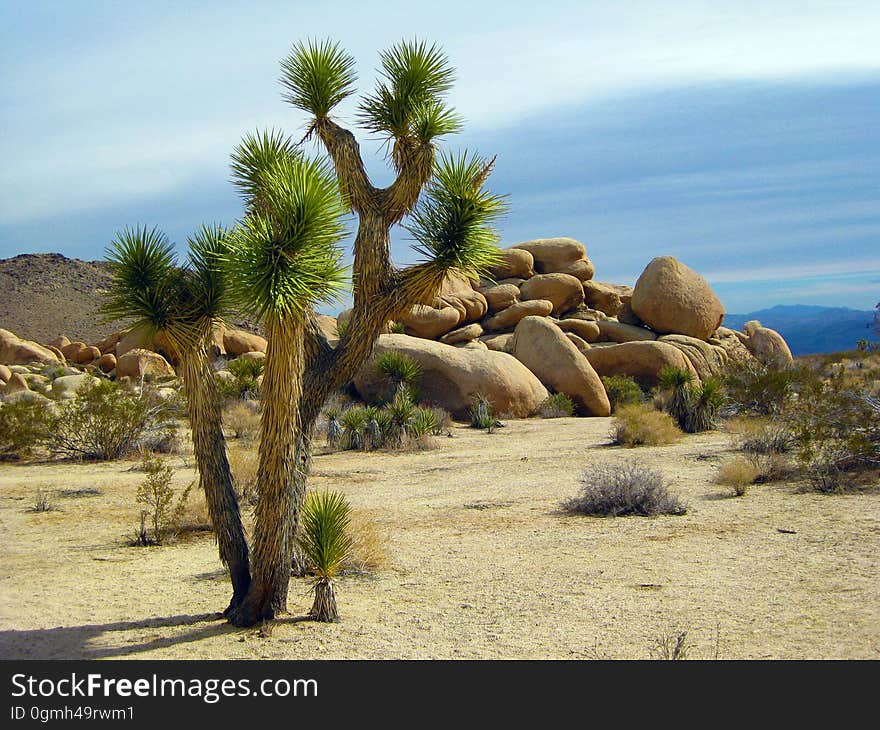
(643, 425)
(738, 472)
(369, 544)
(244, 462)
(243, 419)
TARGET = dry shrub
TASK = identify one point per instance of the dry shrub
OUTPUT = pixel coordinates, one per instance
(642, 425)
(738, 472)
(613, 490)
(243, 419)
(762, 435)
(244, 464)
(369, 544)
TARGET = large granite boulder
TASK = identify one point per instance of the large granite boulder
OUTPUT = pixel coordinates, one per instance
(516, 263)
(545, 350)
(430, 322)
(767, 345)
(238, 342)
(452, 376)
(139, 363)
(508, 318)
(640, 360)
(564, 291)
(559, 256)
(15, 351)
(672, 298)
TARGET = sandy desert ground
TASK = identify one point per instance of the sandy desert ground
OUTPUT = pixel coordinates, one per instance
(482, 563)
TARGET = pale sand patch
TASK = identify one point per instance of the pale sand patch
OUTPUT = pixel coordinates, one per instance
(483, 564)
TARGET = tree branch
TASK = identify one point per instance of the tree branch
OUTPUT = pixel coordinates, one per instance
(354, 183)
(415, 169)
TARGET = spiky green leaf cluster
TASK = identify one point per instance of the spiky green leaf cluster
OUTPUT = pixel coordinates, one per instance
(453, 223)
(257, 152)
(149, 287)
(283, 257)
(408, 102)
(143, 265)
(324, 538)
(317, 75)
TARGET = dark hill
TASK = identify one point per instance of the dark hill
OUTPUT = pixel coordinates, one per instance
(44, 295)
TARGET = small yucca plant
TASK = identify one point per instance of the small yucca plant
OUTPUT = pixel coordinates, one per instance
(678, 380)
(398, 367)
(705, 401)
(424, 422)
(354, 423)
(334, 428)
(374, 434)
(327, 546)
(400, 414)
(481, 413)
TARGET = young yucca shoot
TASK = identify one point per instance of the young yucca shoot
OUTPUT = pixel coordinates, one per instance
(326, 545)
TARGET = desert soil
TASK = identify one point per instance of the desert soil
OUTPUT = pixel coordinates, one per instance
(482, 564)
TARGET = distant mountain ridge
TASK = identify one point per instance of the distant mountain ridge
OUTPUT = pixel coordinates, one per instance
(810, 329)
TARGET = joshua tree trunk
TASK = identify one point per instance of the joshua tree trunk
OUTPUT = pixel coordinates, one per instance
(277, 510)
(209, 446)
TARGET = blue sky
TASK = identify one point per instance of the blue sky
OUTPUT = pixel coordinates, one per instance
(741, 139)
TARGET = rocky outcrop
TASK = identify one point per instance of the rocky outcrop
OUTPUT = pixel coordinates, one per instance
(587, 330)
(139, 363)
(605, 297)
(613, 331)
(640, 360)
(500, 296)
(559, 256)
(462, 335)
(706, 358)
(500, 343)
(545, 350)
(461, 296)
(451, 376)
(429, 322)
(673, 299)
(767, 345)
(515, 263)
(508, 318)
(15, 351)
(238, 342)
(564, 291)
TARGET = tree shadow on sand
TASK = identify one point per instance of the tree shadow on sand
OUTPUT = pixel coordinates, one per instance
(75, 642)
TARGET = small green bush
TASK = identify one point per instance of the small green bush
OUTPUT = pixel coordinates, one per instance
(245, 372)
(614, 490)
(24, 426)
(105, 421)
(157, 497)
(558, 405)
(754, 387)
(622, 390)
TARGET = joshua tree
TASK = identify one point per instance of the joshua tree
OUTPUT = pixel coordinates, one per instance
(284, 258)
(184, 304)
(451, 226)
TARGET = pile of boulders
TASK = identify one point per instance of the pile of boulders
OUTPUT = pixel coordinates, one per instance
(539, 325)
(542, 320)
(55, 370)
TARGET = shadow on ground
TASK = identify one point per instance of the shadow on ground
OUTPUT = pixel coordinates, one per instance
(81, 642)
